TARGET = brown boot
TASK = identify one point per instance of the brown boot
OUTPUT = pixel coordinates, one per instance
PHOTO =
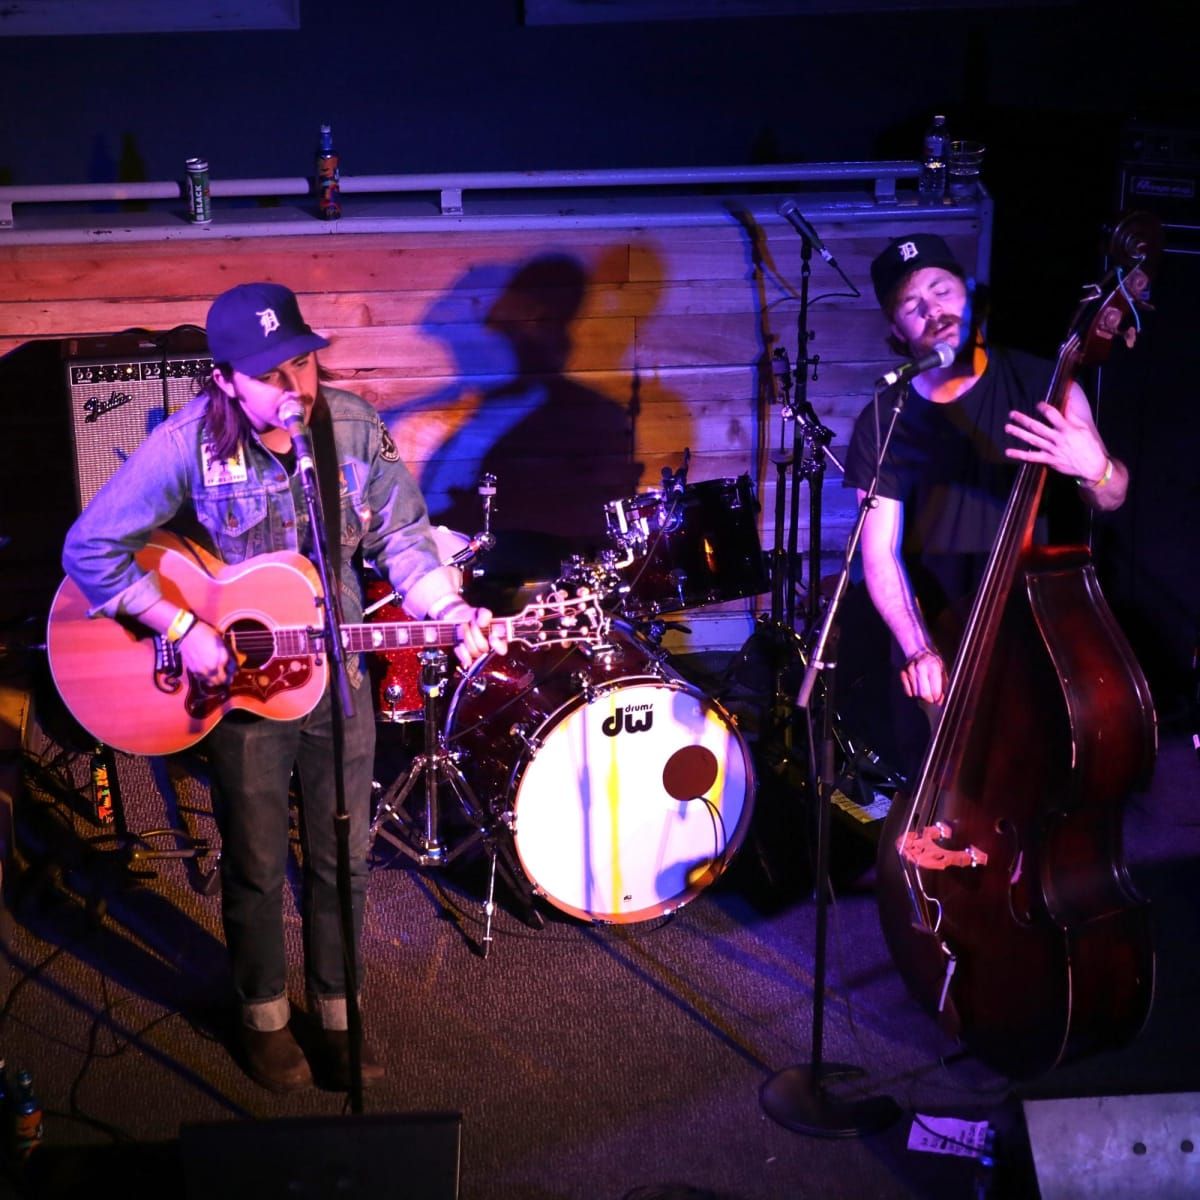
(333, 1070)
(273, 1059)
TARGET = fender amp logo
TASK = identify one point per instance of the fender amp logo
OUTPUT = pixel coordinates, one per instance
(95, 408)
(637, 718)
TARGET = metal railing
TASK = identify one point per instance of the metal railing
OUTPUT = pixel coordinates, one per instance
(450, 190)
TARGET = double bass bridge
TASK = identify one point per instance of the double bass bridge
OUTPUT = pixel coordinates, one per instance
(923, 848)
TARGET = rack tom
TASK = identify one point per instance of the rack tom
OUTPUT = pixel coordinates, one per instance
(693, 546)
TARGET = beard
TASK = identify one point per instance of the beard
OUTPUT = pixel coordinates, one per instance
(948, 328)
(955, 330)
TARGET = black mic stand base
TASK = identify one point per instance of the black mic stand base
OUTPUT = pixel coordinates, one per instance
(798, 1099)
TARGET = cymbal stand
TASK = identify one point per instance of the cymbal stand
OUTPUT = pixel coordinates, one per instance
(419, 837)
(805, 460)
(485, 540)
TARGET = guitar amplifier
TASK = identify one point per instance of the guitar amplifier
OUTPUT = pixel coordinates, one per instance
(119, 388)
(1160, 171)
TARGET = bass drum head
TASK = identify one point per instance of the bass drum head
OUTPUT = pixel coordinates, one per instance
(633, 801)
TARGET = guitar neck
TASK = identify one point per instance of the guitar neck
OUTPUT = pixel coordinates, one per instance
(400, 635)
(405, 635)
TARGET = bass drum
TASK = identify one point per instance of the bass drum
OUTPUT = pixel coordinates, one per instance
(629, 789)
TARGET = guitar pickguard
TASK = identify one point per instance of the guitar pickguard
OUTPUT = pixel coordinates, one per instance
(257, 685)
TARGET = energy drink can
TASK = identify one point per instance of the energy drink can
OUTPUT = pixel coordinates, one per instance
(199, 199)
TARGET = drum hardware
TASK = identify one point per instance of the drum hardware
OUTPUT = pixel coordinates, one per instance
(804, 461)
(436, 767)
(601, 576)
(485, 540)
(475, 684)
(522, 735)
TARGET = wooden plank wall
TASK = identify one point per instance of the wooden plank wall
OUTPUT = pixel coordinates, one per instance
(574, 364)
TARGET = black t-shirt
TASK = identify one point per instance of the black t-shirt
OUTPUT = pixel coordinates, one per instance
(946, 465)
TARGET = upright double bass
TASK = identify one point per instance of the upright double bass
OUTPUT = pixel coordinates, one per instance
(1004, 896)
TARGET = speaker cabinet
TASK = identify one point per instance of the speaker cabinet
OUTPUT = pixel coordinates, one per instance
(1148, 552)
(119, 389)
(415, 1157)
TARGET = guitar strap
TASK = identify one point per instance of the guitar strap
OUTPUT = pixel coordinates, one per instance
(329, 480)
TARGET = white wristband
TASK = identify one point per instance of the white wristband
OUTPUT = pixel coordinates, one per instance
(439, 608)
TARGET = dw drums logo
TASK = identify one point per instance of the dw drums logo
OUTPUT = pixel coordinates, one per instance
(635, 718)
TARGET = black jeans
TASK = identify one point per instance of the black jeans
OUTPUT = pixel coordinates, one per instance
(251, 760)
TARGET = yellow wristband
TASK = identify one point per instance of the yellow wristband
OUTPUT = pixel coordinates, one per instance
(1102, 481)
(181, 622)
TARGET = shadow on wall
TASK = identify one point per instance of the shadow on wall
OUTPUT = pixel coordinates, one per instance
(558, 448)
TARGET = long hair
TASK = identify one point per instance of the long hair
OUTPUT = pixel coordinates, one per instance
(225, 422)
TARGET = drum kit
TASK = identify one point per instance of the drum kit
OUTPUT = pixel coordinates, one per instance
(597, 777)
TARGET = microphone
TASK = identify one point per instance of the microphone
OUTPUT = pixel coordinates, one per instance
(789, 210)
(941, 355)
(291, 417)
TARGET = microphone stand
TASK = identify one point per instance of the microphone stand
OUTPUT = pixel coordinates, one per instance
(341, 707)
(796, 1097)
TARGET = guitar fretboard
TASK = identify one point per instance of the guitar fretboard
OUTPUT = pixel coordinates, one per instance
(399, 635)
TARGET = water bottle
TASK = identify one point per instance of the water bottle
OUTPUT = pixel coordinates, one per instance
(329, 201)
(931, 182)
(27, 1127)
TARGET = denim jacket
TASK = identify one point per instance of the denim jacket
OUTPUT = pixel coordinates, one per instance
(248, 506)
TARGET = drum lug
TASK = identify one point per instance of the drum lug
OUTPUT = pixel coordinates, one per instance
(583, 684)
(521, 733)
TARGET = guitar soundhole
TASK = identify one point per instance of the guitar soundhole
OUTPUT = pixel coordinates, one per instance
(252, 642)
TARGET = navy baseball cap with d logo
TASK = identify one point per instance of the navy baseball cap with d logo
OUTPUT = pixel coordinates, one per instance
(256, 326)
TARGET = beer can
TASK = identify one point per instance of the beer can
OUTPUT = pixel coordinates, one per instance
(199, 199)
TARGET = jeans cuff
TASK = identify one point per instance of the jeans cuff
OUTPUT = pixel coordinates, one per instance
(266, 1015)
(330, 1011)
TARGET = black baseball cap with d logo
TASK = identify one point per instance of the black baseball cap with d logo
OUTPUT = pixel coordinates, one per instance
(907, 254)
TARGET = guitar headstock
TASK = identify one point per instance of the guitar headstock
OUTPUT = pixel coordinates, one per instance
(560, 619)
(1110, 308)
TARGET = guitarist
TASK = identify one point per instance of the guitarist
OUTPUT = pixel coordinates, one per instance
(222, 472)
(950, 466)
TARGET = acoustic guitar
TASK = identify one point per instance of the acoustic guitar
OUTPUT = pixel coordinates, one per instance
(127, 687)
